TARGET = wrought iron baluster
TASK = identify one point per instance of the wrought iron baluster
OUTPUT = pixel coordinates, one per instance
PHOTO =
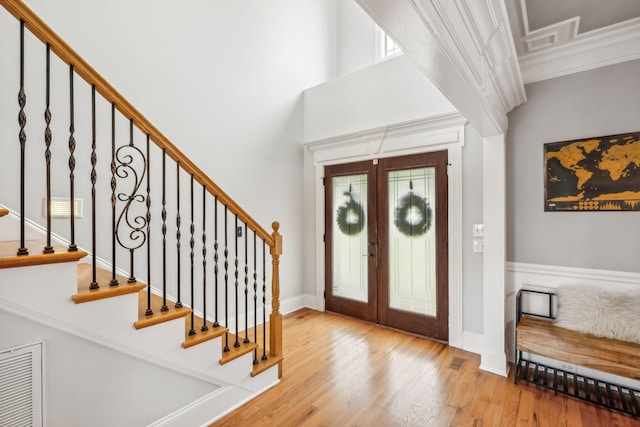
(22, 136)
(216, 323)
(178, 223)
(137, 224)
(255, 298)
(236, 343)
(114, 279)
(204, 260)
(192, 331)
(226, 279)
(149, 310)
(264, 300)
(164, 230)
(246, 288)
(72, 163)
(48, 249)
(94, 160)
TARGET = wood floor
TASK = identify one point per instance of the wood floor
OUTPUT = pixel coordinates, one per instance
(343, 372)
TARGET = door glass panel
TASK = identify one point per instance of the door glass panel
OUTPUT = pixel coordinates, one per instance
(349, 237)
(412, 240)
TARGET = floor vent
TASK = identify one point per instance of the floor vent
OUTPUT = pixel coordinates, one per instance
(21, 386)
(457, 363)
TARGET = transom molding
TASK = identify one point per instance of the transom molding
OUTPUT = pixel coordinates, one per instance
(394, 140)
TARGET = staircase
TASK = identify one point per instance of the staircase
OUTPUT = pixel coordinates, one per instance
(164, 268)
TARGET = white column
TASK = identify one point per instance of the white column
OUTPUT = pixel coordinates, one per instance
(493, 357)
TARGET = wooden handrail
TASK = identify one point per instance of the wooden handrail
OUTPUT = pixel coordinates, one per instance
(43, 32)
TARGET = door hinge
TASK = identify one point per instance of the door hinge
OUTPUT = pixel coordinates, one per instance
(324, 294)
(324, 237)
(323, 179)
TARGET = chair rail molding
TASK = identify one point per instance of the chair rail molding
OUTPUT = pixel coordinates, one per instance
(465, 48)
(444, 132)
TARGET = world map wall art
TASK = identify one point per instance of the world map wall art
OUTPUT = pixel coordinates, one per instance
(594, 174)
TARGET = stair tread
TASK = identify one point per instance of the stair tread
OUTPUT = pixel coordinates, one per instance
(263, 365)
(235, 352)
(103, 278)
(4, 211)
(158, 315)
(201, 336)
(9, 257)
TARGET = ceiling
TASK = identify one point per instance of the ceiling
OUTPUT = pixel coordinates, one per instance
(552, 30)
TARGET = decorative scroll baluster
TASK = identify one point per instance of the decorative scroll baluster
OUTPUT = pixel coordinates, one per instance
(216, 323)
(148, 311)
(94, 160)
(178, 222)
(246, 288)
(164, 231)
(226, 279)
(114, 279)
(48, 249)
(22, 136)
(72, 163)
(192, 243)
(264, 300)
(237, 343)
(136, 236)
(255, 298)
(204, 260)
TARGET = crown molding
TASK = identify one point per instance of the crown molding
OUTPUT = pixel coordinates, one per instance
(598, 48)
(465, 48)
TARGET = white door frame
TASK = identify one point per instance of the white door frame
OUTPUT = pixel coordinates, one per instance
(444, 132)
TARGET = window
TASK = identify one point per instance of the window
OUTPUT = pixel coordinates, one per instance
(386, 47)
(390, 47)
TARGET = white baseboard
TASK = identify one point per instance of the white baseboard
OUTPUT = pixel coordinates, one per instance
(494, 362)
(472, 341)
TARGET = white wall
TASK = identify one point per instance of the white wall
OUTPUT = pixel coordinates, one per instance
(356, 42)
(87, 384)
(223, 80)
(588, 104)
(391, 92)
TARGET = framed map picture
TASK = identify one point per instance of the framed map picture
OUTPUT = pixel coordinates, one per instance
(594, 174)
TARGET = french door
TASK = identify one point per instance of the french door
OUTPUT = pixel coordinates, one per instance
(386, 252)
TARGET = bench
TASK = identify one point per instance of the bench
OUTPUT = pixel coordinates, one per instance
(536, 334)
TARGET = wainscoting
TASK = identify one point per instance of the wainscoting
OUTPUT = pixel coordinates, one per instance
(535, 276)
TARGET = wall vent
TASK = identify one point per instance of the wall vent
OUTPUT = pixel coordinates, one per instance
(21, 386)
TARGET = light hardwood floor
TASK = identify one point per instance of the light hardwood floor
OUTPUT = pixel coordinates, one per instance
(343, 372)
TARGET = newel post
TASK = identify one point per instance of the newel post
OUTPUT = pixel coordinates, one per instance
(275, 319)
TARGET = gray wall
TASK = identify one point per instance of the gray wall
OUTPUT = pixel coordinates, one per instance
(594, 103)
(472, 295)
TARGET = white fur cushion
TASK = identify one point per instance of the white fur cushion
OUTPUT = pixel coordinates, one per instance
(599, 312)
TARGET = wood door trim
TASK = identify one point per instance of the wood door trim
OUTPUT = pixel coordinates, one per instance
(365, 311)
(404, 320)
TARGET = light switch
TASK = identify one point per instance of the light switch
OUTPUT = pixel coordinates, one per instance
(478, 230)
(478, 245)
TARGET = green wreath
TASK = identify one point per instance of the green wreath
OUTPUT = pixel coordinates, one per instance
(420, 223)
(350, 216)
